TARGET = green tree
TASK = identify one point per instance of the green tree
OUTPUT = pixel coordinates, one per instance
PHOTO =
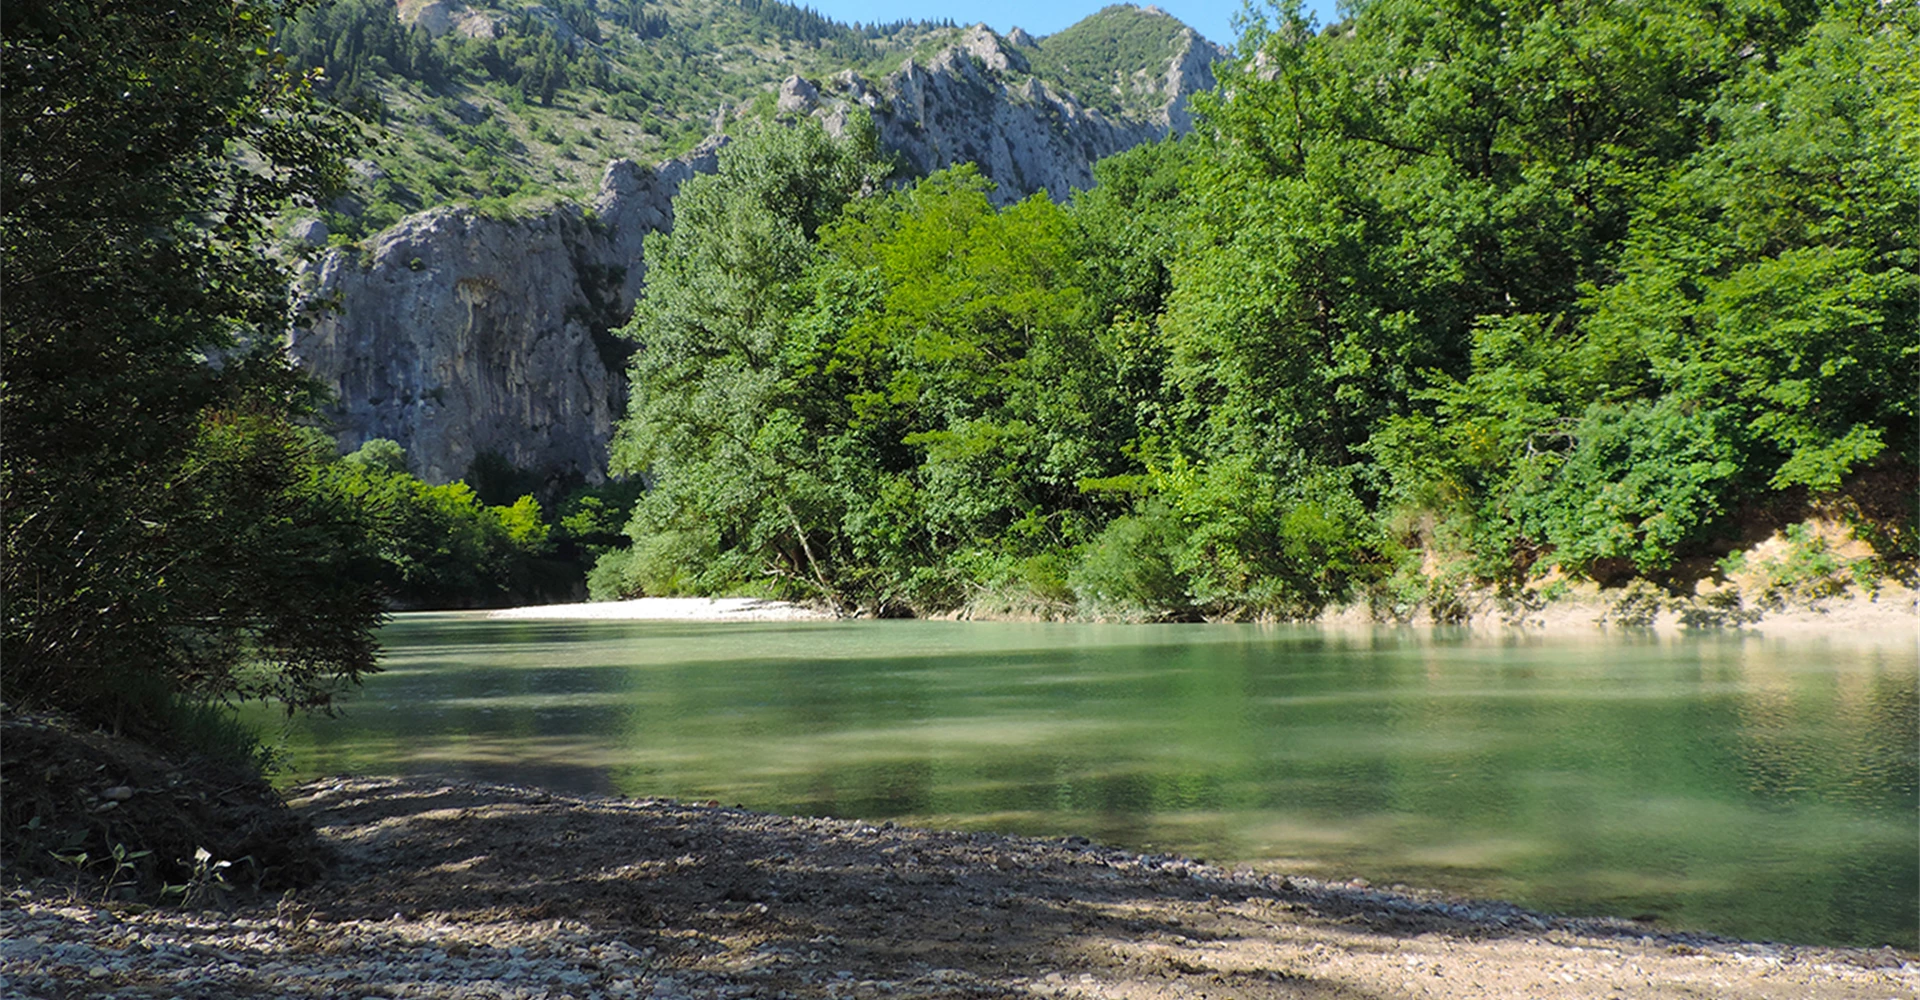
(968, 391)
(730, 477)
(1579, 278)
(166, 527)
(445, 546)
(1751, 342)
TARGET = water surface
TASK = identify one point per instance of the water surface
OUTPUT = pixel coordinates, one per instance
(1754, 787)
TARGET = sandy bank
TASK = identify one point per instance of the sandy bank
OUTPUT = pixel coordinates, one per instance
(682, 609)
(1892, 614)
(454, 889)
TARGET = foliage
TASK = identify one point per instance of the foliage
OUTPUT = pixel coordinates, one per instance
(1130, 571)
(1798, 566)
(1581, 282)
(164, 518)
(1112, 59)
(444, 546)
(883, 402)
(705, 422)
(1639, 483)
(1436, 298)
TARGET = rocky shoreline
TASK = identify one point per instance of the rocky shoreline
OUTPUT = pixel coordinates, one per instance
(444, 888)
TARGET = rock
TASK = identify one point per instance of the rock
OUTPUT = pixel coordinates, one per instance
(435, 17)
(1189, 73)
(312, 232)
(797, 96)
(456, 335)
(981, 43)
(973, 101)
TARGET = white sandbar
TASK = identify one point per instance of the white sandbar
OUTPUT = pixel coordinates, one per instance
(682, 609)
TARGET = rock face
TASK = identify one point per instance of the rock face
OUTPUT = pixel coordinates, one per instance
(458, 335)
(975, 102)
(437, 17)
(1189, 73)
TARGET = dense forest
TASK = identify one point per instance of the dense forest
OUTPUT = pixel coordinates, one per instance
(1448, 298)
(525, 103)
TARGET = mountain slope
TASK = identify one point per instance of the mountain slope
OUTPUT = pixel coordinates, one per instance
(1127, 61)
(479, 328)
(507, 104)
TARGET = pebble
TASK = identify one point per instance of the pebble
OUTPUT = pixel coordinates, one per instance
(46, 945)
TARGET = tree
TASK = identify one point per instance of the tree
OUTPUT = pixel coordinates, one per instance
(965, 398)
(1583, 278)
(1749, 343)
(168, 530)
(443, 546)
(706, 422)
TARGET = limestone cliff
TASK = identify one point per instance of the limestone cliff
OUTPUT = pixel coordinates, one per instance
(457, 334)
(976, 101)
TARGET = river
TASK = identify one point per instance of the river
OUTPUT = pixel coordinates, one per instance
(1756, 787)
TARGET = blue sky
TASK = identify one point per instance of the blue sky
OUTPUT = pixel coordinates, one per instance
(1212, 18)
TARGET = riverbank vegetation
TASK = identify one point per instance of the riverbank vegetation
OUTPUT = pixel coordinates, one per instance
(175, 540)
(482, 541)
(169, 532)
(1441, 300)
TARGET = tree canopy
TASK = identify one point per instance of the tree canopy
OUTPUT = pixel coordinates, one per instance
(169, 528)
(1450, 293)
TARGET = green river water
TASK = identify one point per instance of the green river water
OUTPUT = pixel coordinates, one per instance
(1756, 787)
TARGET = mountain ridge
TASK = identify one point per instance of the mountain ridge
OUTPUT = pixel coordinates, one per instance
(480, 327)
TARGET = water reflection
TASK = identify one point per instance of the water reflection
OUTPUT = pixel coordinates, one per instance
(1744, 785)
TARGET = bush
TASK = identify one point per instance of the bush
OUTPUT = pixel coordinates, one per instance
(1642, 483)
(665, 564)
(1128, 573)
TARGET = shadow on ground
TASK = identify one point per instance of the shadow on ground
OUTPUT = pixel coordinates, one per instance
(808, 907)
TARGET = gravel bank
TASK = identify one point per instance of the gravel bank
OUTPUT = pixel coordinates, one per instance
(454, 889)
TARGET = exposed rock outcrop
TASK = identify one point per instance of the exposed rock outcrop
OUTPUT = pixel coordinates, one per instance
(456, 334)
(797, 96)
(459, 334)
(437, 17)
(974, 101)
(1190, 72)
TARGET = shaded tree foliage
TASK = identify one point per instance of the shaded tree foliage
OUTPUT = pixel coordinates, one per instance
(446, 546)
(167, 526)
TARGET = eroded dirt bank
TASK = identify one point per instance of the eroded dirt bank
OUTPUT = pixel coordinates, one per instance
(454, 889)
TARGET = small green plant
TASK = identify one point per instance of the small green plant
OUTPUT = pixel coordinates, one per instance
(206, 884)
(1518, 602)
(1804, 570)
(1637, 608)
(1440, 595)
(124, 870)
(1722, 609)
